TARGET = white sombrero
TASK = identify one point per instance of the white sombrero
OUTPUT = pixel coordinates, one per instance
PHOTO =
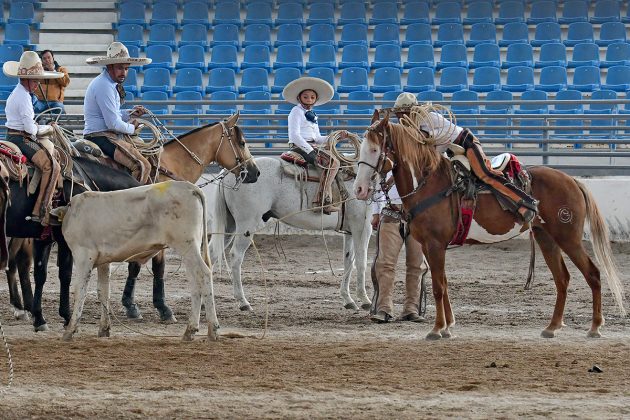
(321, 87)
(29, 67)
(117, 53)
(405, 101)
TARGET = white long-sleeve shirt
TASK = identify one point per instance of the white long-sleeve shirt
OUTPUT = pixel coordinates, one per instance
(102, 107)
(20, 113)
(302, 131)
(379, 198)
(442, 130)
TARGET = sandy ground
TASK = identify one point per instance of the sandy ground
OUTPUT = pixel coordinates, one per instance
(318, 360)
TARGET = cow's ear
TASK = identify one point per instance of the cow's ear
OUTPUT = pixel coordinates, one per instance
(231, 121)
(375, 116)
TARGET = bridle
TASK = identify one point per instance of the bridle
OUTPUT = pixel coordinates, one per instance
(386, 150)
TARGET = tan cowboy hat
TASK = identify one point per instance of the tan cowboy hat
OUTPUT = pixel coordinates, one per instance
(321, 87)
(29, 67)
(117, 53)
(404, 102)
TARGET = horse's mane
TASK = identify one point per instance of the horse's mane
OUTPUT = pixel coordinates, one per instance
(237, 129)
(413, 148)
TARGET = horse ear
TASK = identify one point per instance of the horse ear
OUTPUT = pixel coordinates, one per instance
(385, 120)
(231, 121)
(375, 116)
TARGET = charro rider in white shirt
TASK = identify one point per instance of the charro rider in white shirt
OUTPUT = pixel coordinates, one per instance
(23, 131)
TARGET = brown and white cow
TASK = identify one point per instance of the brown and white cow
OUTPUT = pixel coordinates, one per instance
(133, 225)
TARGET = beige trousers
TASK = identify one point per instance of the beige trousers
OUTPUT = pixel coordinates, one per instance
(50, 174)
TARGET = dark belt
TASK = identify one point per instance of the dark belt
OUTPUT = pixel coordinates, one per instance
(18, 133)
(395, 207)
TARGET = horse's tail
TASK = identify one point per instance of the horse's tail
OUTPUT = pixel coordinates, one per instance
(204, 239)
(4, 205)
(601, 246)
(218, 225)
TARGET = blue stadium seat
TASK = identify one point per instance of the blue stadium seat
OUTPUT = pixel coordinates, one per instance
(552, 54)
(453, 79)
(420, 55)
(258, 13)
(282, 77)
(188, 80)
(353, 12)
(572, 106)
(602, 108)
(324, 73)
(495, 108)
(578, 33)
(420, 79)
(225, 34)
(463, 109)
(224, 56)
(453, 55)
(300, 2)
(416, 12)
(289, 56)
(606, 11)
(480, 13)
(228, 13)
(353, 79)
(386, 79)
(486, 54)
(196, 12)
(221, 79)
(22, 12)
(547, 32)
(157, 79)
(10, 52)
(417, 33)
(514, 33)
(257, 34)
(552, 79)
(352, 33)
(384, 13)
(7, 84)
(291, 34)
(390, 97)
(486, 79)
(617, 54)
(482, 32)
(586, 54)
(186, 109)
(618, 79)
(164, 13)
(285, 108)
(127, 34)
(226, 109)
(131, 81)
(191, 56)
(625, 110)
(329, 108)
(256, 56)
(519, 54)
(325, 34)
(290, 13)
(510, 11)
(542, 11)
(257, 108)
(531, 108)
(449, 33)
(322, 56)
(387, 56)
(195, 34)
(134, 51)
(162, 34)
(158, 109)
(574, 11)
(254, 78)
(161, 56)
(385, 33)
(611, 32)
(519, 79)
(430, 96)
(322, 13)
(131, 13)
(360, 108)
(447, 12)
(586, 79)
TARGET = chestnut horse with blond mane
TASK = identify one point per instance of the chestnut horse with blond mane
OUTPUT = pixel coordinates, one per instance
(422, 174)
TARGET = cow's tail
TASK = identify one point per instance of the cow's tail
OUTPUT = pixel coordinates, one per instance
(219, 225)
(601, 246)
(4, 205)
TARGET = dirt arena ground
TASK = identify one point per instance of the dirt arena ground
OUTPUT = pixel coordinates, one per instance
(318, 360)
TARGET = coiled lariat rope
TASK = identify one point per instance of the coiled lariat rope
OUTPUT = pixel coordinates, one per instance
(353, 139)
(9, 361)
(419, 116)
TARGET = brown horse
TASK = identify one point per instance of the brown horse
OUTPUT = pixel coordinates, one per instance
(422, 177)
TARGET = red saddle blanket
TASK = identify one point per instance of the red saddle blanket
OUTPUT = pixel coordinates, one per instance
(15, 156)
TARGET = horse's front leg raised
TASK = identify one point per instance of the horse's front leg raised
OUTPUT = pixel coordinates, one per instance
(128, 300)
(41, 254)
(436, 258)
(166, 314)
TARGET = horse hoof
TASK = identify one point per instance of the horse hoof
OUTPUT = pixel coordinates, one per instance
(366, 306)
(547, 334)
(446, 334)
(351, 305)
(41, 328)
(213, 333)
(133, 312)
(21, 315)
(103, 333)
(169, 320)
(246, 308)
(67, 336)
(433, 336)
(594, 334)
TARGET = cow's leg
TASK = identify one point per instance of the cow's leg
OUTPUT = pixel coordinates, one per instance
(84, 264)
(166, 314)
(237, 253)
(194, 270)
(128, 301)
(103, 298)
(65, 277)
(41, 254)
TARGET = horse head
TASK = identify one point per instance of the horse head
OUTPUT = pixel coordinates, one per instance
(234, 154)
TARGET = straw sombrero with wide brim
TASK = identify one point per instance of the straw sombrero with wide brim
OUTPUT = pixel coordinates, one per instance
(322, 88)
(29, 67)
(404, 102)
(117, 53)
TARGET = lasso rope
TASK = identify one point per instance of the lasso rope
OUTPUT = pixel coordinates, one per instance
(9, 361)
(420, 116)
(353, 139)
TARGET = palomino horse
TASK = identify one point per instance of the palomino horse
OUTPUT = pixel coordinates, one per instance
(423, 177)
(242, 212)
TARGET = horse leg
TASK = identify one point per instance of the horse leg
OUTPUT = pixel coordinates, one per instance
(128, 301)
(24, 260)
(448, 313)
(561, 277)
(64, 260)
(348, 265)
(361, 256)
(41, 254)
(435, 255)
(82, 280)
(103, 298)
(166, 314)
(14, 293)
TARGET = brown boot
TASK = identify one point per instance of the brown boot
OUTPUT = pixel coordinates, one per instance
(132, 159)
(50, 170)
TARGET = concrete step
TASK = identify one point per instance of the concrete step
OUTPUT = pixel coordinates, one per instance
(89, 71)
(80, 82)
(79, 17)
(74, 109)
(78, 5)
(76, 27)
(78, 39)
(74, 93)
(74, 59)
(88, 49)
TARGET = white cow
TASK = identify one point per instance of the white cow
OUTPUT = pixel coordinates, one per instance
(133, 225)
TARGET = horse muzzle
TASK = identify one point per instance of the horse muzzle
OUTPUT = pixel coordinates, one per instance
(251, 173)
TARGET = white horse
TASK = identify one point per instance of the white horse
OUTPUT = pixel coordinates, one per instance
(277, 195)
